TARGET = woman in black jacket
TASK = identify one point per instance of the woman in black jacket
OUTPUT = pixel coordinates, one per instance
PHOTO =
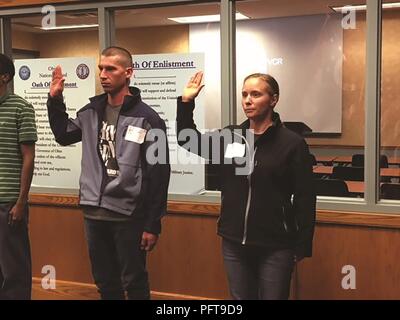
(268, 199)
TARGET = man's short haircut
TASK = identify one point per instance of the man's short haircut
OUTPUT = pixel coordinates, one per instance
(7, 66)
(126, 57)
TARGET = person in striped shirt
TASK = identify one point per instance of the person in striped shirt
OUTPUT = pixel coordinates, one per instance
(17, 152)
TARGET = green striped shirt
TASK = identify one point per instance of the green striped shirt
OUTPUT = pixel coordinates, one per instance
(17, 125)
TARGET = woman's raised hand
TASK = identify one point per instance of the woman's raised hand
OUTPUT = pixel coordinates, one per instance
(193, 87)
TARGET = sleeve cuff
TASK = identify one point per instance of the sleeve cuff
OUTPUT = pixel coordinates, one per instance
(302, 251)
(59, 99)
(154, 228)
(185, 104)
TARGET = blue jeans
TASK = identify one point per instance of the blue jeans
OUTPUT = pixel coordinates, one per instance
(15, 257)
(118, 263)
(257, 273)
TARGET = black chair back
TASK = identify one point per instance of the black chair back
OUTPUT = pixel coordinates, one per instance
(331, 187)
(384, 162)
(313, 160)
(390, 191)
(357, 160)
(348, 173)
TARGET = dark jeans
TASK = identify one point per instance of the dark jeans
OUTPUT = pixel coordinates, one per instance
(15, 257)
(118, 263)
(256, 272)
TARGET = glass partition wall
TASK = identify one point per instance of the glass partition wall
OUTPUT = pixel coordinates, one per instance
(326, 59)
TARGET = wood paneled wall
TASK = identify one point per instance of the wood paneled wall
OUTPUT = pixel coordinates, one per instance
(373, 252)
(57, 239)
(20, 3)
(188, 260)
(173, 39)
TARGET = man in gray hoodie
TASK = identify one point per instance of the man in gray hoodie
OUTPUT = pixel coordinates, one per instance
(123, 194)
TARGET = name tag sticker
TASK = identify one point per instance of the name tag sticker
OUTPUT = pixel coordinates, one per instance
(135, 134)
(234, 150)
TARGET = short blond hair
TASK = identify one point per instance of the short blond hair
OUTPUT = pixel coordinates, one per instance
(269, 80)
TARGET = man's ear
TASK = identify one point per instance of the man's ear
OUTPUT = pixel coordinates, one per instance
(129, 72)
(4, 78)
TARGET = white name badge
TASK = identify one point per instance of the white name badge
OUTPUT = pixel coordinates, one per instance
(135, 134)
(235, 150)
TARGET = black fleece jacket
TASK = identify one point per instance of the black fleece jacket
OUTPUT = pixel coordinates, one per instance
(268, 196)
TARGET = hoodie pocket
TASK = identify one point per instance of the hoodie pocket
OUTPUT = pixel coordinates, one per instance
(124, 191)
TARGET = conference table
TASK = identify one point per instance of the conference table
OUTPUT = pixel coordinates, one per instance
(347, 159)
(325, 159)
(384, 172)
(357, 187)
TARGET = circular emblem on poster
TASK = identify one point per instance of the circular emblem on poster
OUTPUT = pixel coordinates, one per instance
(24, 72)
(82, 71)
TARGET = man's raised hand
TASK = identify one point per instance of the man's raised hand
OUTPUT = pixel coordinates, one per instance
(57, 83)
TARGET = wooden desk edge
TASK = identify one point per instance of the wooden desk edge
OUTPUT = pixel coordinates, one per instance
(382, 220)
(175, 207)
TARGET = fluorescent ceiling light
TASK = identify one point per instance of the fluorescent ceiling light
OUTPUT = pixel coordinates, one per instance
(74, 26)
(206, 18)
(363, 7)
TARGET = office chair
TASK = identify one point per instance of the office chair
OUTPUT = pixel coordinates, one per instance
(299, 127)
(348, 173)
(313, 160)
(390, 191)
(331, 187)
(357, 160)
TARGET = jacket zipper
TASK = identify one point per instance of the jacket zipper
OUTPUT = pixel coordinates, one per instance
(248, 198)
(284, 219)
(100, 123)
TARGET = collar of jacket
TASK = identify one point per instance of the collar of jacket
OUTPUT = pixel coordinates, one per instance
(100, 101)
(276, 123)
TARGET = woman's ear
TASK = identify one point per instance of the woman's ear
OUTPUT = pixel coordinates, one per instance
(274, 100)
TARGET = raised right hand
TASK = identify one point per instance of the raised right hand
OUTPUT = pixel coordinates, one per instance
(57, 82)
(193, 87)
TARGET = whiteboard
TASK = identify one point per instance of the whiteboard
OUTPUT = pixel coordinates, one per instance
(304, 54)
